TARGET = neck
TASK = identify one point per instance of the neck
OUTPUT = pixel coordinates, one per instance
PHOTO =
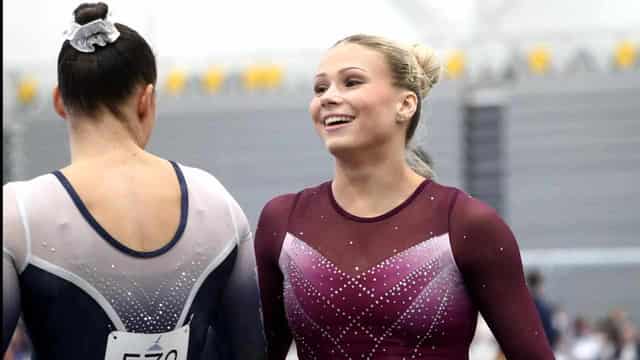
(101, 140)
(374, 184)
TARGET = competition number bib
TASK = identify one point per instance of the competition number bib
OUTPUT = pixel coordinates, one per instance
(173, 345)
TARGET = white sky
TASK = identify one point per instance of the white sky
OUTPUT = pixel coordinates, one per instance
(192, 31)
(202, 28)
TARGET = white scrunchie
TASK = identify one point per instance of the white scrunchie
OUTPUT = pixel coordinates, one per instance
(98, 32)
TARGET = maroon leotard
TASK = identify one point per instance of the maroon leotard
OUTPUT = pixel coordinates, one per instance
(404, 285)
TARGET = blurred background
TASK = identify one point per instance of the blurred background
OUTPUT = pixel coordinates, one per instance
(538, 115)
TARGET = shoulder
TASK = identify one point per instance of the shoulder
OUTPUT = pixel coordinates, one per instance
(283, 205)
(207, 191)
(479, 236)
(279, 207)
(273, 226)
(446, 195)
(9, 189)
(202, 183)
(472, 214)
(15, 222)
(10, 212)
(275, 216)
(11, 221)
(462, 207)
(197, 175)
(16, 192)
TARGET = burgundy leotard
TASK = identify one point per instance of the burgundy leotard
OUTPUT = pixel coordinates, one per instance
(404, 285)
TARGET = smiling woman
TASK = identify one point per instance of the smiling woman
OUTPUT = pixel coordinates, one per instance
(414, 70)
(382, 262)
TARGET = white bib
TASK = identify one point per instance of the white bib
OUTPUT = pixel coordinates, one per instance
(172, 345)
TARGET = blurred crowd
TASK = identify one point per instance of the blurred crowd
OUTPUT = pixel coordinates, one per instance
(613, 337)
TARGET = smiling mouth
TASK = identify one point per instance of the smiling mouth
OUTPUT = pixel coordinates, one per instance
(337, 120)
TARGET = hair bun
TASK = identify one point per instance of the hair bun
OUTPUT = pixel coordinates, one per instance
(88, 12)
(430, 65)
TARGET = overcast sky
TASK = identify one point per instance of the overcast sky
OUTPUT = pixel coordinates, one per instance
(193, 30)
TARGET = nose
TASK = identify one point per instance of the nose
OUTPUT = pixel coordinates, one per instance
(330, 97)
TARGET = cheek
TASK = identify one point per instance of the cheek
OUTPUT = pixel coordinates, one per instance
(374, 99)
(375, 109)
(378, 115)
(314, 109)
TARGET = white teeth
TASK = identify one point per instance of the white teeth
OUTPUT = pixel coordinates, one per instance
(336, 119)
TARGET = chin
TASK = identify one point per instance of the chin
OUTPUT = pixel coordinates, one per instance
(340, 147)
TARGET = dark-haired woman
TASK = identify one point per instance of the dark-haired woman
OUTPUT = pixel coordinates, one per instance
(122, 254)
(382, 262)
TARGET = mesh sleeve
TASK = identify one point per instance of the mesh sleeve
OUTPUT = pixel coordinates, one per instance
(272, 227)
(10, 300)
(487, 254)
(240, 311)
(13, 253)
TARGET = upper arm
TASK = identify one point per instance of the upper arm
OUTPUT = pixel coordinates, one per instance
(240, 321)
(239, 314)
(489, 259)
(13, 251)
(270, 233)
(10, 300)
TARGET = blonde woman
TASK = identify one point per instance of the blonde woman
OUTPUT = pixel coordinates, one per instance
(382, 262)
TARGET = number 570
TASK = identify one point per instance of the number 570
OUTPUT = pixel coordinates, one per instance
(171, 355)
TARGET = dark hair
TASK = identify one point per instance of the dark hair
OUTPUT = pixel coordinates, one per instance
(534, 279)
(107, 76)
(613, 332)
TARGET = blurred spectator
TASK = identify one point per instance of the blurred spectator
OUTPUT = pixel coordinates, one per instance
(630, 342)
(535, 281)
(587, 344)
(621, 339)
(612, 339)
(564, 332)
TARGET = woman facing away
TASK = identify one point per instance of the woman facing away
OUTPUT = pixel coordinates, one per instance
(122, 254)
(382, 262)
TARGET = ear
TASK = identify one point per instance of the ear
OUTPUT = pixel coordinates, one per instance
(146, 103)
(58, 104)
(406, 106)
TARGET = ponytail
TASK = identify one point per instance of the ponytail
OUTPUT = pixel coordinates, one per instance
(420, 161)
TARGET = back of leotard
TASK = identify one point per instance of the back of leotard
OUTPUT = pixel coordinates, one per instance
(78, 288)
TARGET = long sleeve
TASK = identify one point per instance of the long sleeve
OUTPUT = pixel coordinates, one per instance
(10, 300)
(12, 234)
(240, 322)
(268, 244)
(487, 254)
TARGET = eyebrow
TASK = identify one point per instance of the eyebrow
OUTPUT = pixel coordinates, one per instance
(343, 70)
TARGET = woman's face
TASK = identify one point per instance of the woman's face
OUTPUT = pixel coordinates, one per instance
(355, 104)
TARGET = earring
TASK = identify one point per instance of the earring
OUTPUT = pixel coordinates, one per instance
(400, 118)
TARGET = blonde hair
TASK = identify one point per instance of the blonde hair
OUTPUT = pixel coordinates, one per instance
(414, 68)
